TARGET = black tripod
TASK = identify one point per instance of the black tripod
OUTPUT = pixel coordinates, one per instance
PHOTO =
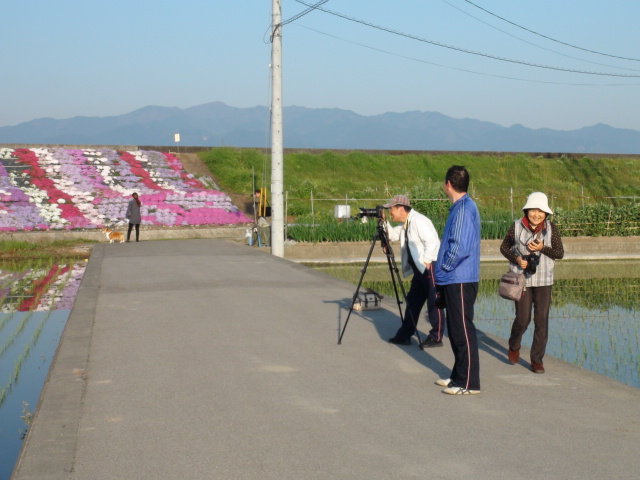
(381, 234)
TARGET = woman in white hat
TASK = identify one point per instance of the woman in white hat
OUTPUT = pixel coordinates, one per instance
(532, 245)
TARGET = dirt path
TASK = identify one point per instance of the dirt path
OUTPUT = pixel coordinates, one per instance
(194, 165)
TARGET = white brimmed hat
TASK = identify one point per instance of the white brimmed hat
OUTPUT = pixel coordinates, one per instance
(538, 200)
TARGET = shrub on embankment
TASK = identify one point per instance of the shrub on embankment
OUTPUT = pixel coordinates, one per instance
(591, 196)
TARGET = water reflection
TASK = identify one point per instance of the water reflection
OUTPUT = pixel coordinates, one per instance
(594, 319)
(604, 340)
(35, 302)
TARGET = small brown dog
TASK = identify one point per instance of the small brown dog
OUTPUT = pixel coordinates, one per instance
(113, 236)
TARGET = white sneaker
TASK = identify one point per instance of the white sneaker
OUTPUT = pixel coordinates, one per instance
(443, 382)
(460, 391)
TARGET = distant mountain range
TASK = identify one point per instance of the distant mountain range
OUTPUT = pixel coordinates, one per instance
(216, 124)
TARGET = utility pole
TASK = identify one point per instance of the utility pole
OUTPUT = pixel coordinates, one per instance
(277, 162)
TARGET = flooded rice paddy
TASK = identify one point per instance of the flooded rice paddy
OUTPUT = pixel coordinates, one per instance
(35, 303)
(594, 319)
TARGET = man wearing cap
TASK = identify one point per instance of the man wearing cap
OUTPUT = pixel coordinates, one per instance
(419, 245)
(457, 274)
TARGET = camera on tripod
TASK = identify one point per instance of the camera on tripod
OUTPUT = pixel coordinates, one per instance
(371, 212)
(371, 298)
(533, 261)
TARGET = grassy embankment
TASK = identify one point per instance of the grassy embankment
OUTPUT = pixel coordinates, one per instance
(582, 191)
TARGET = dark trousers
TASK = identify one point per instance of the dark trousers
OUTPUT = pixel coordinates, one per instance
(422, 289)
(540, 299)
(131, 225)
(460, 299)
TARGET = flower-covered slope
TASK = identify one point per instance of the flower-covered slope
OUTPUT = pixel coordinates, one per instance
(57, 188)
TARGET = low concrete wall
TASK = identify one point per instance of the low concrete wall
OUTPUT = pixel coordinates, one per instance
(577, 247)
(233, 232)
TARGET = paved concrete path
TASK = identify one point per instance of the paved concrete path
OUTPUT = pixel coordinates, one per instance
(205, 359)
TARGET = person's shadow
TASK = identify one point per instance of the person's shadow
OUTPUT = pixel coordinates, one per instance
(493, 348)
(386, 322)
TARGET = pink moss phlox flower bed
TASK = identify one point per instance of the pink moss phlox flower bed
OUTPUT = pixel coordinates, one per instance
(58, 188)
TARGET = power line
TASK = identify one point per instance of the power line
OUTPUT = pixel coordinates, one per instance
(533, 44)
(304, 12)
(549, 38)
(464, 69)
(274, 28)
(463, 50)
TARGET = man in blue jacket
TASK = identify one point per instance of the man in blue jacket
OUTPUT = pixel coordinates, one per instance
(457, 275)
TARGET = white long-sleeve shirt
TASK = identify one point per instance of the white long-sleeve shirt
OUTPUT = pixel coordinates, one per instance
(423, 241)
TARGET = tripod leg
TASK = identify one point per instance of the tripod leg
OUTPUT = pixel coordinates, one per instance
(392, 268)
(355, 295)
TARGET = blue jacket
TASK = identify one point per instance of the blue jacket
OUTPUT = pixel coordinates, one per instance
(459, 254)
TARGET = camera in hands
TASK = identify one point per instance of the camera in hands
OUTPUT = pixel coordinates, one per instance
(533, 261)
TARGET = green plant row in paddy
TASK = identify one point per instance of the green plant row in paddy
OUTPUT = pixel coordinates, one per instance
(598, 294)
(590, 196)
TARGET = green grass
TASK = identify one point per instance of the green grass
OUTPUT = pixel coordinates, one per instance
(580, 189)
(362, 175)
(17, 251)
(593, 293)
(17, 246)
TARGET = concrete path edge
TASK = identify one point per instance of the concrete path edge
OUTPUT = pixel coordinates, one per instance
(62, 395)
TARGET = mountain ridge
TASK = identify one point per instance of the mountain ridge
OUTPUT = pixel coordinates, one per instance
(218, 124)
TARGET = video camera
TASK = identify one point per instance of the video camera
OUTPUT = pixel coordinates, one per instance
(371, 212)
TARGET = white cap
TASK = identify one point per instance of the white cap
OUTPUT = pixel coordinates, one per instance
(538, 200)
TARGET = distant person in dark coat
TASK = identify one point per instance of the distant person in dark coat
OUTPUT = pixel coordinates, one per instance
(133, 215)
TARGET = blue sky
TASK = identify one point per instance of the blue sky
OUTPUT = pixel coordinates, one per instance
(68, 58)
